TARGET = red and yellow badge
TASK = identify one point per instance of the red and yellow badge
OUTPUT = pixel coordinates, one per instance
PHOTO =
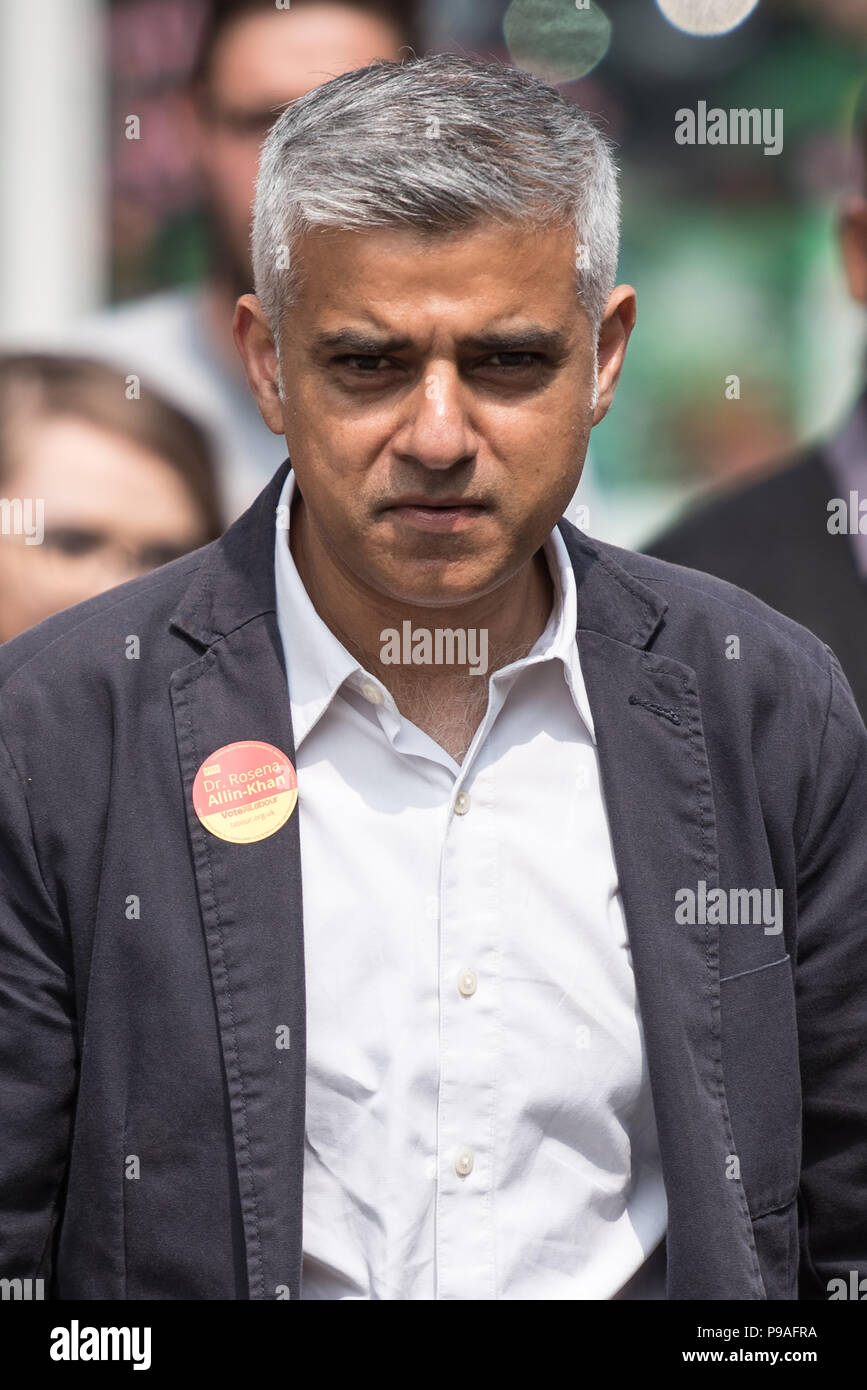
(245, 791)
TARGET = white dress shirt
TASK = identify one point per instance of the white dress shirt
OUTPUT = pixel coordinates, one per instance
(479, 1120)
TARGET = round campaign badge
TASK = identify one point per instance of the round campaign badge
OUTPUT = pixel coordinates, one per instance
(245, 791)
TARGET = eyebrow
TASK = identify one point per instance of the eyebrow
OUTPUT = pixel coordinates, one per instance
(521, 339)
(356, 340)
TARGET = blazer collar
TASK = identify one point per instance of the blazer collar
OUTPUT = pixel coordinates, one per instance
(235, 581)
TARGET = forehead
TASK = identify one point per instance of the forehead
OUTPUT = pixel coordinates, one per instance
(401, 276)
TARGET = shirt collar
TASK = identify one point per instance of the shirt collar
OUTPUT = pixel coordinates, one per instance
(318, 664)
(558, 641)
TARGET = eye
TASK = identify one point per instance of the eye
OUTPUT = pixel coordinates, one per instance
(72, 541)
(514, 360)
(367, 363)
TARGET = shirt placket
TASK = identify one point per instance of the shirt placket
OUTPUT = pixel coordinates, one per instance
(469, 993)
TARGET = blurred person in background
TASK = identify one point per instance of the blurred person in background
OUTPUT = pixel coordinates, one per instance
(109, 488)
(253, 60)
(797, 536)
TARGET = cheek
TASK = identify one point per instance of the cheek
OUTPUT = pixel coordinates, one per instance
(539, 492)
(335, 448)
(548, 426)
(331, 493)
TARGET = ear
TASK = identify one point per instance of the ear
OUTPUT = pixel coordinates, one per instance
(255, 343)
(853, 243)
(617, 324)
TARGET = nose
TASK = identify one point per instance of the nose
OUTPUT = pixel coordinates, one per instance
(437, 432)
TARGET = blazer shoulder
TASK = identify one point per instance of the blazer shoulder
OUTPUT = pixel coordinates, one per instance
(699, 602)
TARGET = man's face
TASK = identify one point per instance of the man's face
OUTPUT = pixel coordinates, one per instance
(438, 400)
(262, 62)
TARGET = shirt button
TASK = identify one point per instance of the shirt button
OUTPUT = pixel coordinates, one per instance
(462, 803)
(464, 1163)
(372, 693)
(467, 982)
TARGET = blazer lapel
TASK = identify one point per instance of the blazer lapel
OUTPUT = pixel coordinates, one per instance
(250, 894)
(657, 785)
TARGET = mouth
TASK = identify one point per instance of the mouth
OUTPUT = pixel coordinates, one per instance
(447, 514)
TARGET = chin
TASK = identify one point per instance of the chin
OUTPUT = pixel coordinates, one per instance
(434, 593)
(436, 583)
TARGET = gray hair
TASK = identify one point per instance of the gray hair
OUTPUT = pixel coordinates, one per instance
(434, 144)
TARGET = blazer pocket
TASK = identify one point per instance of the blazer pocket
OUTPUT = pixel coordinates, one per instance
(763, 1082)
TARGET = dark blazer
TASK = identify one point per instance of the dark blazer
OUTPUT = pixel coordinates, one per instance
(771, 537)
(153, 1133)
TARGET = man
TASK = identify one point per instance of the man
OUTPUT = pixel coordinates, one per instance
(254, 58)
(575, 1004)
(797, 537)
